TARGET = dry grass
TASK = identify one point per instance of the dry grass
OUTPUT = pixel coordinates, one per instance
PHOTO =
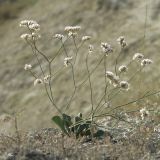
(118, 143)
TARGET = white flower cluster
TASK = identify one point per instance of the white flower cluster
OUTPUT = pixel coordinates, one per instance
(38, 81)
(86, 38)
(123, 68)
(33, 27)
(27, 67)
(115, 81)
(72, 30)
(106, 48)
(59, 36)
(124, 85)
(140, 57)
(146, 62)
(46, 78)
(121, 40)
(67, 61)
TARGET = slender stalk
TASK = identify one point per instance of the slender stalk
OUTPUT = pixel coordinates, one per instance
(75, 88)
(116, 62)
(105, 78)
(80, 85)
(136, 100)
(45, 85)
(90, 84)
(58, 52)
(65, 51)
(74, 41)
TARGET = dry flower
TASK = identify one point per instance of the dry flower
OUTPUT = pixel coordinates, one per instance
(110, 75)
(38, 81)
(146, 62)
(86, 38)
(35, 36)
(27, 67)
(123, 68)
(121, 41)
(72, 28)
(124, 85)
(27, 37)
(59, 36)
(90, 48)
(47, 78)
(113, 79)
(67, 61)
(138, 56)
(32, 25)
(72, 34)
(106, 48)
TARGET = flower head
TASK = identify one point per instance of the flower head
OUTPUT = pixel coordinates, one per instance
(106, 48)
(27, 37)
(123, 68)
(27, 67)
(113, 79)
(121, 40)
(59, 36)
(146, 62)
(38, 81)
(138, 56)
(124, 85)
(67, 61)
(72, 28)
(90, 48)
(110, 75)
(35, 36)
(32, 25)
(86, 38)
(47, 78)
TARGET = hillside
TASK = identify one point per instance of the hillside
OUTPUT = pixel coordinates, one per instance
(104, 21)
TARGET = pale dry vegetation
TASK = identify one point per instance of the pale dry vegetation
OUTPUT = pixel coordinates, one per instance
(131, 131)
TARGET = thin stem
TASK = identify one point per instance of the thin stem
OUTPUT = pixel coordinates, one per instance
(65, 51)
(76, 49)
(58, 52)
(33, 74)
(89, 78)
(75, 88)
(144, 96)
(42, 54)
(116, 62)
(139, 70)
(45, 85)
(105, 80)
(80, 85)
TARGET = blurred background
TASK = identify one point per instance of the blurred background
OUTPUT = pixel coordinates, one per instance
(105, 21)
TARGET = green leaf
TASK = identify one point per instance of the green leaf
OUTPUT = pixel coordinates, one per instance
(67, 119)
(99, 134)
(67, 122)
(60, 123)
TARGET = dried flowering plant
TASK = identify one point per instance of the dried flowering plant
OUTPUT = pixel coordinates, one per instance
(115, 83)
